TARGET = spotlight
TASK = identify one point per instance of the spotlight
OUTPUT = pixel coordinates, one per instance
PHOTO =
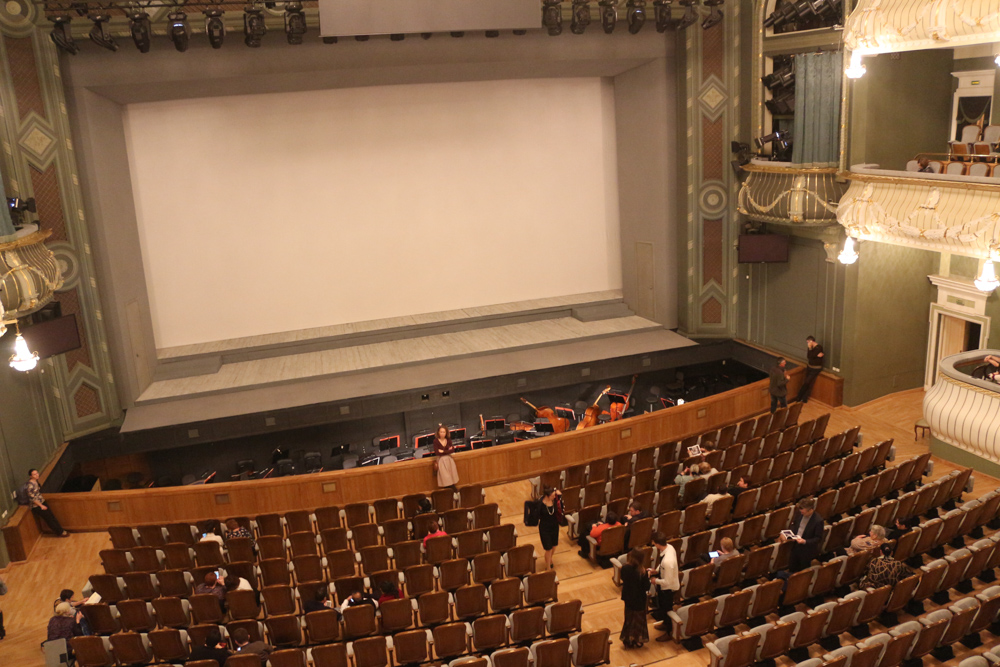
(18, 207)
(178, 30)
(781, 148)
(742, 154)
(609, 15)
(714, 17)
(362, 38)
(791, 11)
(663, 11)
(295, 23)
(61, 35)
(857, 68)
(690, 14)
(581, 16)
(100, 36)
(426, 35)
(254, 27)
(635, 15)
(457, 33)
(394, 37)
(139, 26)
(491, 34)
(779, 78)
(782, 102)
(552, 17)
(215, 28)
(520, 32)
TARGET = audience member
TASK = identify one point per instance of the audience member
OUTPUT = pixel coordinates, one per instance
(874, 538)
(596, 531)
(634, 513)
(212, 647)
(550, 517)
(924, 166)
(814, 366)
(65, 623)
(635, 588)
(903, 526)
(666, 578)
(66, 595)
(727, 550)
(319, 602)
(779, 386)
(213, 585)
(687, 475)
(234, 583)
(807, 528)
(209, 533)
(388, 591)
(38, 507)
(424, 506)
(883, 570)
(359, 597)
(434, 531)
(243, 644)
(234, 529)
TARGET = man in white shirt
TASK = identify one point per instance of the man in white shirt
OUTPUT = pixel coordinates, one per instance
(666, 579)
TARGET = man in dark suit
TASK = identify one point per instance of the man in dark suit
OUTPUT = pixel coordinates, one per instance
(808, 529)
(243, 644)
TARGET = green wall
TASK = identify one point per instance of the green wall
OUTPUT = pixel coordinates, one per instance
(902, 107)
(887, 301)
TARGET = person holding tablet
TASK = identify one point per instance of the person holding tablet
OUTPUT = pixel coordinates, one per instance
(806, 532)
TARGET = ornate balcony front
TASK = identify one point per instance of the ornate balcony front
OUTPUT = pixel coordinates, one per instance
(29, 273)
(883, 26)
(964, 411)
(954, 214)
(777, 192)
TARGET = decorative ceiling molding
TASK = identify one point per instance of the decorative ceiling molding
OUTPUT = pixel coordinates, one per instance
(887, 26)
(918, 213)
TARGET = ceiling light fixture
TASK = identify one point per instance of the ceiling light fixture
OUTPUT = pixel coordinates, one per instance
(635, 15)
(849, 254)
(857, 68)
(142, 33)
(254, 27)
(215, 27)
(23, 359)
(552, 17)
(179, 33)
(61, 35)
(295, 23)
(98, 34)
(581, 16)
(663, 11)
(987, 280)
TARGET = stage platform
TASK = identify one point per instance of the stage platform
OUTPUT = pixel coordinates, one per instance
(278, 373)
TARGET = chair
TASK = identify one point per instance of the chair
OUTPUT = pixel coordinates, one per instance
(470, 543)
(108, 586)
(470, 601)
(511, 657)
(519, 561)
(438, 549)
(435, 608)
(775, 640)
(359, 621)
(487, 567)
(590, 648)
(693, 620)
(505, 594)
(732, 608)
(169, 644)
(765, 599)
(563, 617)
(322, 627)
(364, 535)
(541, 587)
(92, 651)
(501, 538)
(489, 633)
(103, 618)
(278, 600)
(206, 608)
(411, 647)
(289, 657)
(527, 624)
(396, 615)
(419, 579)
(136, 615)
(452, 574)
(334, 539)
(302, 543)
(171, 612)
(551, 653)
(954, 167)
(451, 640)
(369, 652)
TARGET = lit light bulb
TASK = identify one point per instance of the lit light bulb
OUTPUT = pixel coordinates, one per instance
(23, 359)
(997, 60)
(848, 255)
(680, 401)
(987, 280)
(857, 69)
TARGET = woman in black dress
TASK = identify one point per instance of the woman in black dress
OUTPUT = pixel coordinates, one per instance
(550, 517)
(635, 589)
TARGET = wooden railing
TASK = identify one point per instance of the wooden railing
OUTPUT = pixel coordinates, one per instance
(98, 510)
(22, 530)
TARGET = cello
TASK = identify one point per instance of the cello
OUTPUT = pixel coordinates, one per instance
(559, 424)
(617, 410)
(592, 413)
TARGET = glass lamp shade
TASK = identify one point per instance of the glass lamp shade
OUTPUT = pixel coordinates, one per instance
(857, 68)
(23, 359)
(849, 254)
(987, 280)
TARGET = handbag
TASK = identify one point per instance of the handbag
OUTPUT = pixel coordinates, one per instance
(532, 512)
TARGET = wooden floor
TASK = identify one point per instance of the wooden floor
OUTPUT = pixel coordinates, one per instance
(58, 563)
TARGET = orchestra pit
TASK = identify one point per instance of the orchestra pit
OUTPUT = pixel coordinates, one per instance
(500, 333)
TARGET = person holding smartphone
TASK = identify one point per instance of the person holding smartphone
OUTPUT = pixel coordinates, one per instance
(213, 585)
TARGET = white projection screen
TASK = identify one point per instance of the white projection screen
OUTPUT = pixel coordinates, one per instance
(279, 212)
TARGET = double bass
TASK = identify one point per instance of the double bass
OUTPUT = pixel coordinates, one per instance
(559, 424)
(617, 410)
(591, 415)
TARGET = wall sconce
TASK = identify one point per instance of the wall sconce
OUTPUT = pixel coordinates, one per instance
(23, 359)
(857, 68)
(987, 280)
(849, 254)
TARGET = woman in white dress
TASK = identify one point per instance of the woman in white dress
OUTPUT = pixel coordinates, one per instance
(444, 466)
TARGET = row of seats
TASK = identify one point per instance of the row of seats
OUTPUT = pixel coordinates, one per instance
(976, 141)
(452, 644)
(959, 168)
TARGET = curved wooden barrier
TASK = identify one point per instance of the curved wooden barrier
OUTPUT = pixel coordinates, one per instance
(100, 509)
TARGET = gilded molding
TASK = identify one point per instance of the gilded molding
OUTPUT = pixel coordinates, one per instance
(886, 26)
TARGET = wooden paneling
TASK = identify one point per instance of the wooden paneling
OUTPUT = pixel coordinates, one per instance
(22, 530)
(829, 389)
(98, 510)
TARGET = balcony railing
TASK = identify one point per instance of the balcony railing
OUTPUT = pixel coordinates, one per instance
(778, 192)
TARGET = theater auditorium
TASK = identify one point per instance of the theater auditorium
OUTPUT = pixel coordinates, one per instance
(500, 333)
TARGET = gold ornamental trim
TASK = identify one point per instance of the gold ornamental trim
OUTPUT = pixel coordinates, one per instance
(970, 387)
(791, 171)
(918, 181)
(31, 239)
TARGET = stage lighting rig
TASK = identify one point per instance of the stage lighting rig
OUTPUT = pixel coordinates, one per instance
(581, 16)
(178, 30)
(782, 103)
(793, 11)
(254, 27)
(215, 27)
(142, 32)
(663, 12)
(18, 207)
(99, 35)
(690, 14)
(781, 145)
(61, 35)
(609, 15)
(295, 23)
(742, 155)
(552, 17)
(714, 17)
(635, 15)
(779, 78)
